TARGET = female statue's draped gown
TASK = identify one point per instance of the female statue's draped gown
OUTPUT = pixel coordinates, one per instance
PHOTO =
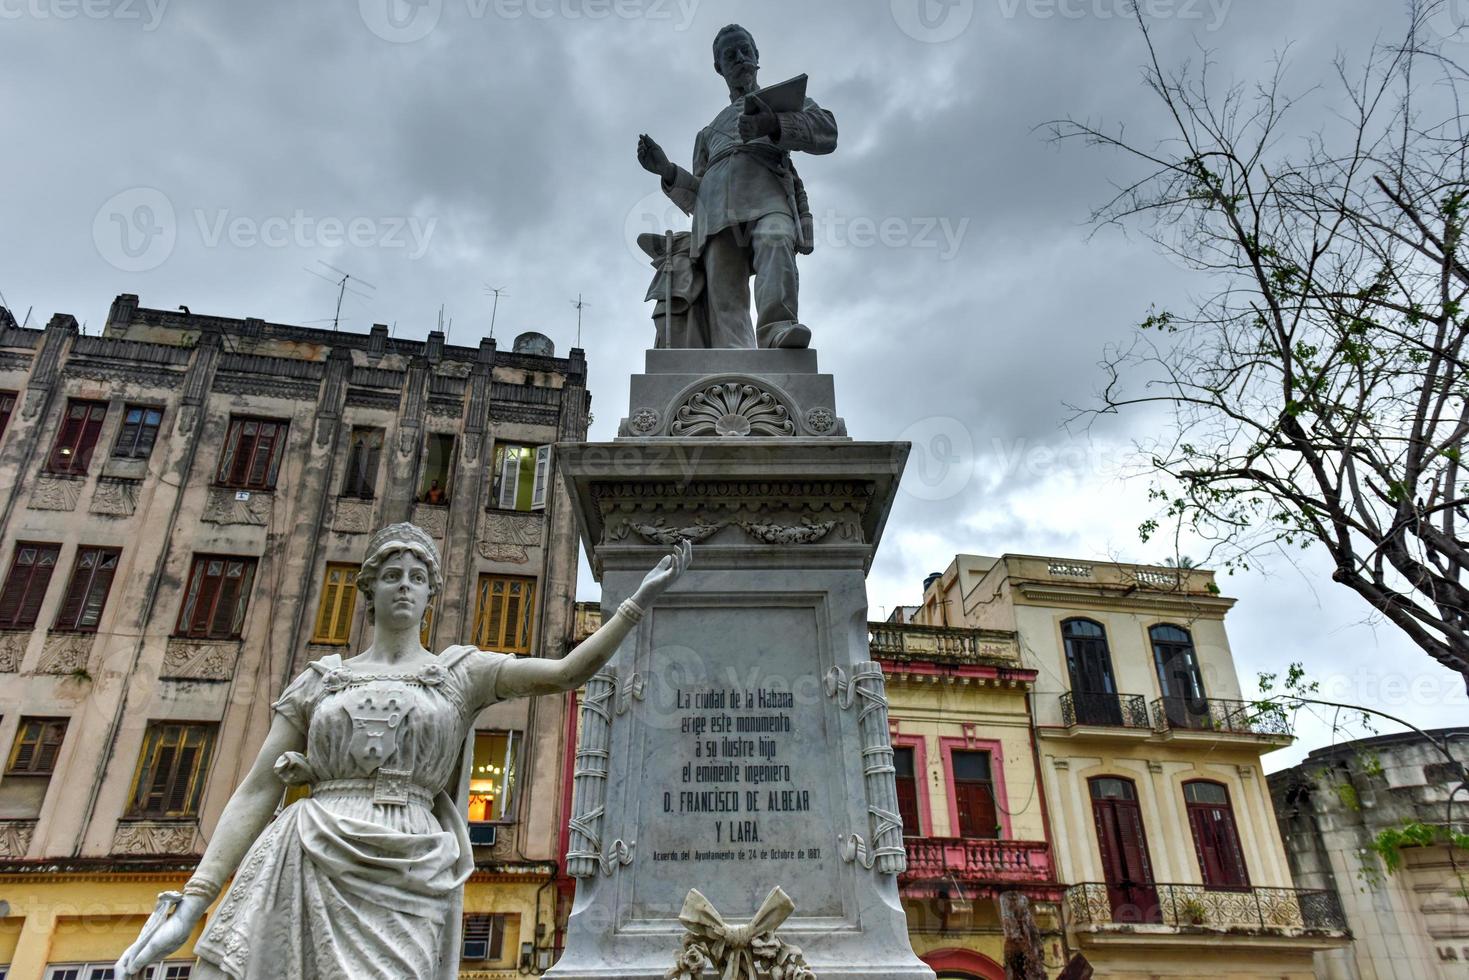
(360, 879)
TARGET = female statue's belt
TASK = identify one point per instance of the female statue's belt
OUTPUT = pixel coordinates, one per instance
(388, 786)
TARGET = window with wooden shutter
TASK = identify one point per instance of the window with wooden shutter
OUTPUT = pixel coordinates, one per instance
(522, 476)
(25, 586)
(1216, 838)
(37, 744)
(338, 601)
(363, 459)
(171, 770)
(1123, 843)
(252, 454)
(974, 795)
(218, 592)
(503, 608)
(438, 470)
(139, 431)
(7, 406)
(484, 937)
(77, 437)
(907, 791)
(86, 593)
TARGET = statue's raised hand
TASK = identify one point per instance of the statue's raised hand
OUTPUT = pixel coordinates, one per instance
(653, 159)
(664, 574)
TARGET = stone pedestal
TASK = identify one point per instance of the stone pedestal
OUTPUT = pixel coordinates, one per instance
(739, 740)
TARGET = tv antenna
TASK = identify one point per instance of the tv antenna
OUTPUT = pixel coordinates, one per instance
(498, 291)
(345, 283)
(580, 305)
(446, 331)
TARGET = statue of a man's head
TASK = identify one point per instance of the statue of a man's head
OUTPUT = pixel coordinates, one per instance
(735, 55)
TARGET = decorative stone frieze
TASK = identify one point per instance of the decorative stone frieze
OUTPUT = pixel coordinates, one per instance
(508, 536)
(155, 837)
(659, 532)
(15, 838)
(56, 492)
(200, 660)
(228, 506)
(777, 512)
(116, 497)
(432, 518)
(66, 653)
(353, 516)
(12, 649)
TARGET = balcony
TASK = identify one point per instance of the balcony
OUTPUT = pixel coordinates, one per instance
(1214, 716)
(980, 867)
(1267, 912)
(1105, 710)
(943, 645)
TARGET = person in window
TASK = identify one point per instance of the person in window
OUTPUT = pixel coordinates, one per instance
(363, 878)
(435, 494)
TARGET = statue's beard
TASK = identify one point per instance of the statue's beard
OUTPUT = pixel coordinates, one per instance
(744, 76)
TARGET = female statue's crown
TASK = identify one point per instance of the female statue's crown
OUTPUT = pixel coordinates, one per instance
(402, 534)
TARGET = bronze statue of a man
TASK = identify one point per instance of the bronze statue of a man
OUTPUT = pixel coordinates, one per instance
(747, 202)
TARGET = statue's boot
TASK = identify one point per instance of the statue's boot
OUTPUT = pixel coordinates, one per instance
(789, 335)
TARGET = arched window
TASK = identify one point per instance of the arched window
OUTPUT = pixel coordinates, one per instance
(1124, 850)
(1089, 662)
(1216, 838)
(1184, 701)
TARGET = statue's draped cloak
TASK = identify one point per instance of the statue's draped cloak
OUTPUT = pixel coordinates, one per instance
(340, 886)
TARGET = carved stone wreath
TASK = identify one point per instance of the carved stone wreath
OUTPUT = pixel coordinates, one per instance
(733, 408)
(660, 533)
(807, 532)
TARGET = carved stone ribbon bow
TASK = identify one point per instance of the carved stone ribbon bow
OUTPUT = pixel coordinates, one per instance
(739, 952)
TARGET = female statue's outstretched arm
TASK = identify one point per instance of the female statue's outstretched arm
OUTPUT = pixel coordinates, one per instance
(247, 813)
(531, 676)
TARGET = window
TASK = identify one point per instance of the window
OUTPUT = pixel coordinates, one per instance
(252, 454)
(171, 769)
(521, 475)
(362, 463)
(1089, 663)
(974, 794)
(1216, 838)
(484, 937)
(139, 431)
(37, 744)
(7, 406)
(438, 468)
(338, 600)
(219, 589)
(104, 971)
(502, 613)
(25, 586)
(907, 792)
(86, 594)
(80, 427)
(1178, 677)
(1123, 843)
(492, 780)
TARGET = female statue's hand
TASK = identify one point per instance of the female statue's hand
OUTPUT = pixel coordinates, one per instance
(169, 937)
(664, 574)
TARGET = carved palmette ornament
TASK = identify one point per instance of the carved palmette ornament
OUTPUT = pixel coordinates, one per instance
(732, 408)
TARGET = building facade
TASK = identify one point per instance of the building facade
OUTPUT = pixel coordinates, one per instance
(1411, 924)
(184, 501)
(1150, 766)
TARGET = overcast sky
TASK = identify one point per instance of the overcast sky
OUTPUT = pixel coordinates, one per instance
(207, 153)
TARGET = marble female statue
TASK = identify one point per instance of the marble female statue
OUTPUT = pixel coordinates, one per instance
(363, 878)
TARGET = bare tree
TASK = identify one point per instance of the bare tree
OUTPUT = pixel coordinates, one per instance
(1318, 395)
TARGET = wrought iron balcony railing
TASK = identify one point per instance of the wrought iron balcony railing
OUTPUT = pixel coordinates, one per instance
(1195, 906)
(1117, 710)
(1217, 715)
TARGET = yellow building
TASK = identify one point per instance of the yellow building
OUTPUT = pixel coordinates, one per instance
(1149, 757)
(183, 503)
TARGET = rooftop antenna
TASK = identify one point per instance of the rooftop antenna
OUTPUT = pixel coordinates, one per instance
(498, 291)
(345, 283)
(580, 305)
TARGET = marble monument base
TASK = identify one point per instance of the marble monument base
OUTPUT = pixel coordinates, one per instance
(739, 740)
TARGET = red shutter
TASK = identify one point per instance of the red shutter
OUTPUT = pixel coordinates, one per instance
(96, 415)
(96, 600)
(76, 589)
(25, 586)
(903, 760)
(66, 439)
(1216, 838)
(52, 735)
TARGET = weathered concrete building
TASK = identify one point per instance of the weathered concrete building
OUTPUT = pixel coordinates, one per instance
(1150, 767)
(1408, 925)
(183, 503)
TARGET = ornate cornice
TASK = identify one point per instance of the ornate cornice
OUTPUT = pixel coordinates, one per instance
(1130, 599)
